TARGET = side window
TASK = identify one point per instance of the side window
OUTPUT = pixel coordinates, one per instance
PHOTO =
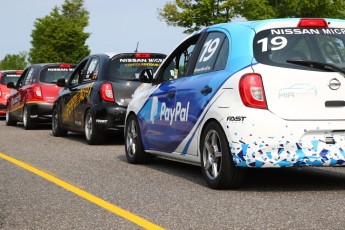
(28, 77)
(92, 70)
(77, 75)
(214, 53)
(177, 64)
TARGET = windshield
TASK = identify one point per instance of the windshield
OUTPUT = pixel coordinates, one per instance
(9, 77)
(129, 67)
(52, 74)
(277, 46)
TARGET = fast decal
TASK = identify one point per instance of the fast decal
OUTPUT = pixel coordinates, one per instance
(235, 118)
(75, 100)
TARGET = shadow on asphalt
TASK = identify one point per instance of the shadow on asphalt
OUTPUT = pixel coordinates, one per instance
(111, 138)
(264, 180)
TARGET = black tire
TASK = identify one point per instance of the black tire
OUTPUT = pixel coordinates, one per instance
(28, 122)
(216, 161)
(94, 136)
(57, 129)
(9, 120)
(133, 144)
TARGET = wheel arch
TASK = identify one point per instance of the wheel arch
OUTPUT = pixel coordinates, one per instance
(223, 126)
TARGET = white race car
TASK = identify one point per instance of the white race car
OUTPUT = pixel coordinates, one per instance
(258, 94)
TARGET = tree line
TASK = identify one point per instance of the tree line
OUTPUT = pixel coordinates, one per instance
(60, 35)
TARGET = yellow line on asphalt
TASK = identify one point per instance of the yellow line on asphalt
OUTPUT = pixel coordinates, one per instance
(104, 204)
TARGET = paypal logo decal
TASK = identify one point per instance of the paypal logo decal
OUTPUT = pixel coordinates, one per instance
(177, 113)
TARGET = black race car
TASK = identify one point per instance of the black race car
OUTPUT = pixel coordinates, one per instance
(95, 98)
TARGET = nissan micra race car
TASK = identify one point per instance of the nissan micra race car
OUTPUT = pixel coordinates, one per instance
(257, 94)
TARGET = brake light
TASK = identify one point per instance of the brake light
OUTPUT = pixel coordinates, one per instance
(19, 72)
(142, 55)
(37, 92)
(252, 91)
(107, 92)
(63, 66)
(312, 22)
(0, 93)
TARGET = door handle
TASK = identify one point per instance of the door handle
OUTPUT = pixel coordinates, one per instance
(206, 90)
(171, 95)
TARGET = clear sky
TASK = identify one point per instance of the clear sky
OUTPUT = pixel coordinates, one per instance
(115, 25)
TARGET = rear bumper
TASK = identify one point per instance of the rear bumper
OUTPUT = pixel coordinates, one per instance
(110, 118)
(268, 141)
(40, 111)
(3, 106)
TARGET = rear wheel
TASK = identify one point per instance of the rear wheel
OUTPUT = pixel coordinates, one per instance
(57, 129)
(94, 135)
(9, 120)
(216, 161)
(133, 144)
(28, 122)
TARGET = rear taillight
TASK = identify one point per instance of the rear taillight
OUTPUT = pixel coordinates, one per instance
(252, 91)
(0, 93)
(37, 92)
(313, 22)
(107, 92)
(19, 72)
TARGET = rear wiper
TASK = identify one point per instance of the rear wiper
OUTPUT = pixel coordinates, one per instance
(318, 65)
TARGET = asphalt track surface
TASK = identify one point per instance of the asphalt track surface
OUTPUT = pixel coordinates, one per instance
(62, 183)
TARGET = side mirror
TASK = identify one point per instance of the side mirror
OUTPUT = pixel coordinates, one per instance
(11, 85)
(61, 82)
(146, 76)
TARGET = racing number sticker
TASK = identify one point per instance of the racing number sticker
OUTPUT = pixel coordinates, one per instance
(210, 48)
(277, 43)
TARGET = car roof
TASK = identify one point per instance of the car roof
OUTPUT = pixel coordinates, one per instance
(266, 23)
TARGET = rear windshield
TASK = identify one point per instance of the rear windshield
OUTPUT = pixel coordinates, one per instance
(324, 45)
(52, 74)
(9, 77)
(129, 67)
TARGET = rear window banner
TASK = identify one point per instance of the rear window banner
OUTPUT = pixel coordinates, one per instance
(275, 39)
(60, 69)
(143, 60)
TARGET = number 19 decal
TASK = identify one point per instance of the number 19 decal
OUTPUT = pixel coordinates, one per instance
(210, 48)
(277, 43)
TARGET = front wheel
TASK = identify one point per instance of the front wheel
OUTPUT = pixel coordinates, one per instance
(9, 120)
(57, 129)
(133, 144)
(94, 135)
(28, 122)
(216, 161)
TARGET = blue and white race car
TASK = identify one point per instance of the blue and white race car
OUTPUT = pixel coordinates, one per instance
(257, 94)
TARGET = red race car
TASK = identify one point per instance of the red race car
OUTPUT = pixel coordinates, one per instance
(32, 97)
(7, 76)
